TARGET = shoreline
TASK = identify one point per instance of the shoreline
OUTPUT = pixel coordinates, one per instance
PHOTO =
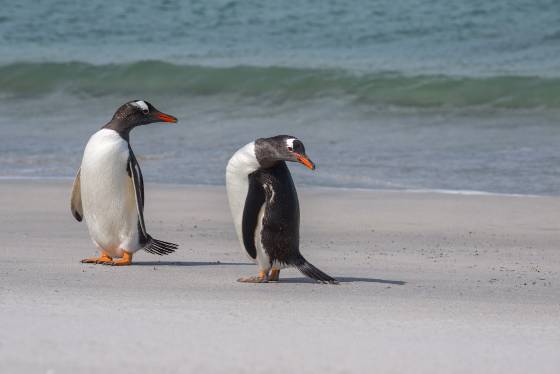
(461, 192)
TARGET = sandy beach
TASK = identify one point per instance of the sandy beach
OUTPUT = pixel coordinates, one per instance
(429, 283)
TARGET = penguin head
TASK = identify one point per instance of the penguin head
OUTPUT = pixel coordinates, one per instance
(137, 113)
(269, 151)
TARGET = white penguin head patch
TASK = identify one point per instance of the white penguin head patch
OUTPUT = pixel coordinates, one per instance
(142, 105)
(290, 143)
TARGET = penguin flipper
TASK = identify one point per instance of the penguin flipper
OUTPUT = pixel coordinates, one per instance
(137, 180)
(151, 245)
(76, 199)
(253, 203)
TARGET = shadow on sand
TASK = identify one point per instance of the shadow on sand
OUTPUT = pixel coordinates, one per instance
(187, 263)
(282, 280)
(345, 280)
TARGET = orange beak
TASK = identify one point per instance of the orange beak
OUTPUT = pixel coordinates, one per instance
(303, 159)
(166, 118)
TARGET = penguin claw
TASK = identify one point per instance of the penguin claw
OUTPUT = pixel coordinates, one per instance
(261, 278)
(103, 260)
(121, 262)
(252, 280)
(117, 263)
(100, 260)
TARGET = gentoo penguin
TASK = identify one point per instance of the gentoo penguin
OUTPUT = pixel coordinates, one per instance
(265, 208)
(109, 189)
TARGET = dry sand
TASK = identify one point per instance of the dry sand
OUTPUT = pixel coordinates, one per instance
(430, 283)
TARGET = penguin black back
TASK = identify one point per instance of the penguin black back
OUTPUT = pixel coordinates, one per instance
(280, 225)
(280, 221)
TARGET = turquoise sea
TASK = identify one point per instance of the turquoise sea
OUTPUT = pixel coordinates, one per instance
(408, 94)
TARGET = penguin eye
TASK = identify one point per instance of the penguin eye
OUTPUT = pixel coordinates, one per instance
(290, 149)
(145, 111)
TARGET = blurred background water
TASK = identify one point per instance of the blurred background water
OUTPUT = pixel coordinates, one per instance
(407, 94)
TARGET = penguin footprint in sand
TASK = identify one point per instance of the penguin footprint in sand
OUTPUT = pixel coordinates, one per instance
(109, 190)
(265, 207)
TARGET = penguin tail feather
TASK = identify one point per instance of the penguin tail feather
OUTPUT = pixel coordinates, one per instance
(159, 247)
(312, 272)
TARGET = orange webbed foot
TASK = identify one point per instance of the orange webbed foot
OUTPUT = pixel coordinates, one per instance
(124, 261)
(274, 275)
(261, 278)
(103, 259)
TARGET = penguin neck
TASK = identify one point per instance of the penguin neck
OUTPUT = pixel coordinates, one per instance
(120, 128)
(244, 161)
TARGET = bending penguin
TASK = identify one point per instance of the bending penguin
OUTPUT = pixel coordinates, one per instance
(265, 207)
(109, 189)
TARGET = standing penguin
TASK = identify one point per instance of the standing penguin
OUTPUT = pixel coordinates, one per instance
(109, 190)
(265, 207)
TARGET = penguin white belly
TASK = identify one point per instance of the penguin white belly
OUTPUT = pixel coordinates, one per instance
(241, 164)
(108, 196)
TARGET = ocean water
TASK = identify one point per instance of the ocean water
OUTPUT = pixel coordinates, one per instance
(411, 94)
